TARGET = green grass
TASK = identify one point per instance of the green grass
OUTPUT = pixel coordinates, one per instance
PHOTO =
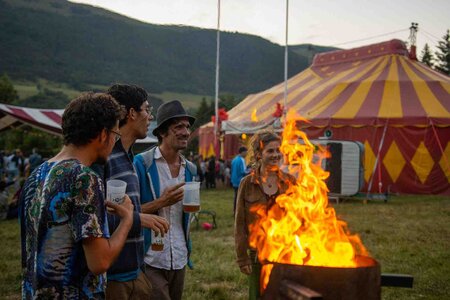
(407, 235)
(27, 89)
(10, 266)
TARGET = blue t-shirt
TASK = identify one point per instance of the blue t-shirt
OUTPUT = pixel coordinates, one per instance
(238, 170)
(62, 203)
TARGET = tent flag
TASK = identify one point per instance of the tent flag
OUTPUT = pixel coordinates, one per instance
(355, 93)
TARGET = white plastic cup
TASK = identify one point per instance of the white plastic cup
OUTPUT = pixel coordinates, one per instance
(157, 241)
(191, 198)
(115, 190)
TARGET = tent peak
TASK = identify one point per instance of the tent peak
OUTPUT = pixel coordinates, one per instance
(343, 56)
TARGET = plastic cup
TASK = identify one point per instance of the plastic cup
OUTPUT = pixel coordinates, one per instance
(191, 198)
(157, 241)
(115, 190)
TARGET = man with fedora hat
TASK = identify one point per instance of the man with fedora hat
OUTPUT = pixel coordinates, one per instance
(162, 171)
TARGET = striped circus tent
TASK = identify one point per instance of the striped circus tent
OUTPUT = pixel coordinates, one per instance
(397, 107)
(206, 143)
(48, 120)
(224, 147)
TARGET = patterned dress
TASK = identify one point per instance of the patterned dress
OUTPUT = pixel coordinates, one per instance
(62, 203)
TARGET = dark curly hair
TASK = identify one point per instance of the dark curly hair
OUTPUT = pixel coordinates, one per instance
(85, 117)
(128, 95)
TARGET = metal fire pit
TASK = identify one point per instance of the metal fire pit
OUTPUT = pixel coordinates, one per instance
(294, 282)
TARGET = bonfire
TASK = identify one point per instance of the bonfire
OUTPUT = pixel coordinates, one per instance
(300, 228)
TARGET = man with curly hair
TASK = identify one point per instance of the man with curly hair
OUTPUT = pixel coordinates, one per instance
(66, 244)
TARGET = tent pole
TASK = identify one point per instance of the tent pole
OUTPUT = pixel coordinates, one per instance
(216, 96)
(286, 62)
(376, 161)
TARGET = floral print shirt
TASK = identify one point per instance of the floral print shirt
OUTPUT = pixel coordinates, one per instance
(62, 203)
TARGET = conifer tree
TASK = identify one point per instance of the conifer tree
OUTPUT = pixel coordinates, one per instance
(204, 113)
(443, 54)
(427, 56)
(8, 94)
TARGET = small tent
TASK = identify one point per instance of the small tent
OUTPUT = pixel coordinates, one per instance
(396, 106)
(48, 120)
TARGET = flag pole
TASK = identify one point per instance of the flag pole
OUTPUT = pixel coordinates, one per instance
(216, 96)
(286, 62)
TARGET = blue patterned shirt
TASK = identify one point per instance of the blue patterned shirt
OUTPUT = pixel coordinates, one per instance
(62, 204)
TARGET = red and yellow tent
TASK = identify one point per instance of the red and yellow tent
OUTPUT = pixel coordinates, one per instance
(397, 107)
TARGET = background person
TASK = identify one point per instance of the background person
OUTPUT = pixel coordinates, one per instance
(238, 171)
(34, 160)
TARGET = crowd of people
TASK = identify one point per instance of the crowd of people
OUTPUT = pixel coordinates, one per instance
(78, 244)
(14, 167)
(213, 172)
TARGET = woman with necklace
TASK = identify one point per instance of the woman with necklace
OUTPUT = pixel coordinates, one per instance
(261, 186)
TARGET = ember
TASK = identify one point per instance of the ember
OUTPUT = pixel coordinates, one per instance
(300, 228)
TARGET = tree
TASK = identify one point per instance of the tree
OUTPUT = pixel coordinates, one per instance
(7, 92)
(204, 113)
(26, 138)
(228, 101)
(427, 56)
(443, 54)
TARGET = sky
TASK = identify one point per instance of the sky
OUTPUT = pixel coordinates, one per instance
(341, 23)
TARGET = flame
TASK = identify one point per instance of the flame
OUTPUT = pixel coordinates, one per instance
(300, 228)
(254, 117)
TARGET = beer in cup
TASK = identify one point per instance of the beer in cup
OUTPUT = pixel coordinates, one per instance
(191, 198)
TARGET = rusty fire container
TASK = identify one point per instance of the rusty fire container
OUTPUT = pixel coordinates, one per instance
(312, 282)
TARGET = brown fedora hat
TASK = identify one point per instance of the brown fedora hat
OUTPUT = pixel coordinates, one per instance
(170, 110)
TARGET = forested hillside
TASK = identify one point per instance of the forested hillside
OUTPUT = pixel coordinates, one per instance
(78, 44)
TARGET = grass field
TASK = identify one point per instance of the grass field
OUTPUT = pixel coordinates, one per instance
(27, 89)
(407, 235)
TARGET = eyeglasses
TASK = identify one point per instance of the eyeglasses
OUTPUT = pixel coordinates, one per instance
(117, 136)
(149, 110)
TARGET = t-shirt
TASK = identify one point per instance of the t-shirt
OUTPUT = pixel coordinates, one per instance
(63, 203)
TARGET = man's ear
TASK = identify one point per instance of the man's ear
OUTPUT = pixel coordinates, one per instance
(103, 136)
(132, 114)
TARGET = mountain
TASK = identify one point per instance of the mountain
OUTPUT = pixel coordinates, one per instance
(307, 51)
(83, 45)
